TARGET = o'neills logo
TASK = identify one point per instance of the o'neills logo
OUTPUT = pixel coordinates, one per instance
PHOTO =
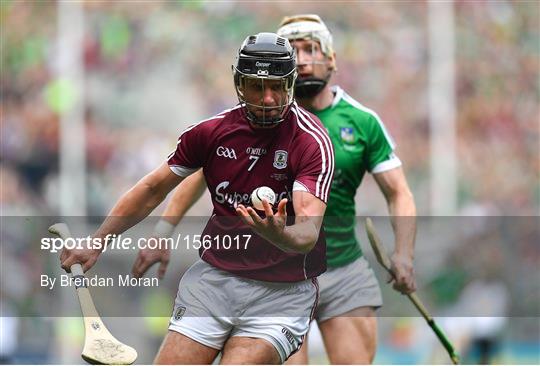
(288, 335)
(262, 64)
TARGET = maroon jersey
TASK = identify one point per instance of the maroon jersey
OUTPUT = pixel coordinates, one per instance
(237, 158)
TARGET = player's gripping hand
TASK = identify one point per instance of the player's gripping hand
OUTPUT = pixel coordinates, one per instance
(147, 257)
(272, 226)
(86, 257)
(403, 269)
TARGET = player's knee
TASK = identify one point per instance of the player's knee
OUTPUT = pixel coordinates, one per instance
(361, 356)
(369, 338)
(164, 358)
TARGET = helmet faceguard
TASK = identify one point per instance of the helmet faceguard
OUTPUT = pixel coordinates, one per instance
(311, 27)
(265, 63)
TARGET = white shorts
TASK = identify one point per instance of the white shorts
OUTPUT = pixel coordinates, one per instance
(213, 305)
(346, 288)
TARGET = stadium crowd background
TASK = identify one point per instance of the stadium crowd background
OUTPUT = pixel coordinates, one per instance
(152, 68)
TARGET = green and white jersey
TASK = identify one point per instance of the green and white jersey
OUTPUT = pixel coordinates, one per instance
(361, 143)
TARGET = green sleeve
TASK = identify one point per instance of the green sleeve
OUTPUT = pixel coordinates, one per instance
(380, 144)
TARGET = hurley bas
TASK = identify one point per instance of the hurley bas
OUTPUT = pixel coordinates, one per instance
(95, 281)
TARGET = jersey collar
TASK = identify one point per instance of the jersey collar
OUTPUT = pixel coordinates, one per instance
(338, 94)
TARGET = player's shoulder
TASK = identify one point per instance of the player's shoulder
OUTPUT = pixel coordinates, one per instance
(308, 128)
(366, 120)
(309, 132)
(216, 121)
(307, 114)
(304, 121)
(358, 112)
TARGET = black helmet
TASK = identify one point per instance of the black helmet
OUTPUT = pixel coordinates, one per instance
(265, 58)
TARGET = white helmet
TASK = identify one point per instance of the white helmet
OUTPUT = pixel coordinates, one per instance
(307, 26)
(310, 26)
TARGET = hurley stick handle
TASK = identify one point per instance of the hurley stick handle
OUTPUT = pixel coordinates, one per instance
(382, 258)
(85, 299)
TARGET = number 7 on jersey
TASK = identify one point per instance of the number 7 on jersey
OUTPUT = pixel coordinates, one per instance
(255, 159)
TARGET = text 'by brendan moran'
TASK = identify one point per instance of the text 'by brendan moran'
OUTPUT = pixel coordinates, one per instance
(95, 281)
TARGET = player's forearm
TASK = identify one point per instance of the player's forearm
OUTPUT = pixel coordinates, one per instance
(177, 207)
(403, 217)
(131, 208)
(185, 195)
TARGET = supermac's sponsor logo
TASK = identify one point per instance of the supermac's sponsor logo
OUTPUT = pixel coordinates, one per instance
(235, 198)
(232, 198)
(226, 152)
(262, 64)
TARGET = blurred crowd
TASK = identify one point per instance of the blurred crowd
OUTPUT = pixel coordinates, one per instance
(152, 68)
(155, 67)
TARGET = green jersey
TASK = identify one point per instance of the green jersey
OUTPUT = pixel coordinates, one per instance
(361, 143)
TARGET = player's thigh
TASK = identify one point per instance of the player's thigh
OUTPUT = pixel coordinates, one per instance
(280, 315)
(301, 356)
(178, 349)
(345, 288)
(245, 350)
(352, 337)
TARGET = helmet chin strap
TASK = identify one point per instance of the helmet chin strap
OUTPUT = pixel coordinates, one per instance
(265, 121)
(309, 87)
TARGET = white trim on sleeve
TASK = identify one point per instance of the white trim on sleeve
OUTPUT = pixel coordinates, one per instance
(182, 171)
(386, 165)
(297, 186)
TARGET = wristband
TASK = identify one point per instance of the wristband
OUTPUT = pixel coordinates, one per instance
(163, 229)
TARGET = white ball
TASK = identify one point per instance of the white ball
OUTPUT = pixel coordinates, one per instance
(260, 193)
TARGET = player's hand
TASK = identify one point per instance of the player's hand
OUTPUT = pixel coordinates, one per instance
(403, 269)
(272, 226)
(147, 257)
(86, 257)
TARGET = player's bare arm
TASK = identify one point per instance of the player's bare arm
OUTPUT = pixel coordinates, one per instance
(402, 210)
(185, 195)
(131, 208)
(297, 238)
